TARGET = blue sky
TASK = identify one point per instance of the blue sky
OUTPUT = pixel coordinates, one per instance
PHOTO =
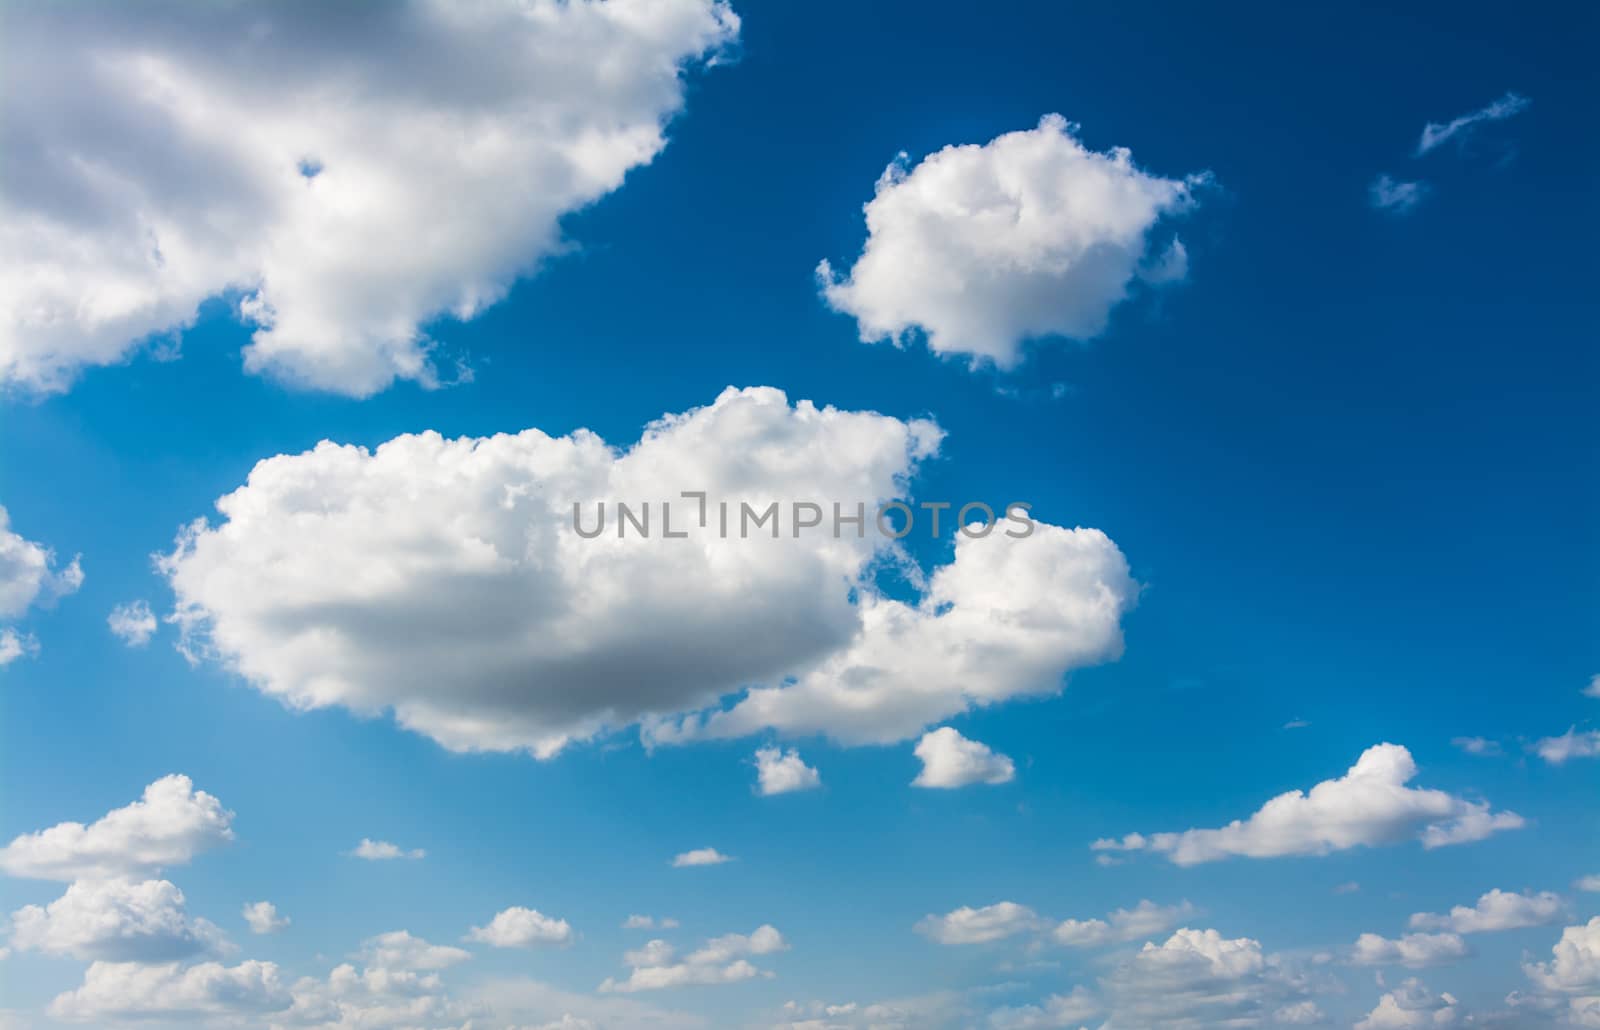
(1348, 456)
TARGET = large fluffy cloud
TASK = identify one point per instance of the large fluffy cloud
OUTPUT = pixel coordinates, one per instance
(967, 925)
(1029, 235)
(1366, 807)
(1414, 950)
(445, 580)
(167, 827)
(1412, 1005)
(348, 177)
(128, 991)
(1496, 910)
(115, 921)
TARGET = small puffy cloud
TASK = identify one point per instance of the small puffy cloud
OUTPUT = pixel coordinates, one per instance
(383, 851)
(1414, 950)
(1412, 1005)
(1144, 920)
(782, 772)
(400, 580)
(1571, 744)
(1397, 197)
(968, 925)
(518, 927)
(133, 623)
(1074, 1009)
(1436, 134)
(1369, 806)
(1593, 689)
(263, 917)
(1496, 910)
(951, 760)
(398, 949)
(167, 827)
(30, 574)
(114, 991)
(116, 921)
(1200, 979)
(984, 247)
(721, 960)
(14, 645)
(1588, 883)
(354, 181)
(1480, 746)
(700, 856)
(639, 922)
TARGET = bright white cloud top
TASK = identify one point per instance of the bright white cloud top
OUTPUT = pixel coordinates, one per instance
(116, 921)
(1497, 910)
(444, 580)
(1369, 806)
(721, 960)
(519, 927)
(1436, 134)
(30, 576)
(132, 623)
(950, 760)
(783, 772)
(167, 827)
(350, 179)
(699, 857)
(1411, 1006)
(1414, 950)
(263, 917)
(968, 925)
(984, 247)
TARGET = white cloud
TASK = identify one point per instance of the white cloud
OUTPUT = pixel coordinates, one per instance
(1369, 806)
(159, 158)
(700, 856)
(116, 921)
(1199, 979)
(443, 580)
(1570, 745)
(1496, 910)
(1058, 1010)
(398, 949)
(1386, 193)
(720, 960)
(263, 917)
(980, 925)
(1144, 920)
(1593, 689)
(1589, 883)
(129, 991)
(132, 623)
(781, 772)
(1026, 236)
(518, 927)
(14, 645)
(1412, 1005)
(1414, 950)
(1478, 746)
(638, 922)
(1435, 134)
(167, 827)
(29, 576)
(383, 851)
(1574, 967)
(950, 760)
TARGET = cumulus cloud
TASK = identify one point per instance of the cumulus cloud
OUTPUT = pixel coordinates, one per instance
(167, 827)
(347, 180)
(1496, 910)
(1589, 883)
(116, 921)
(1144, 920)
(721, 960)
(1436, 134)
(951, 760)
(171, 991)
(700, 856)
(1574, 967)
(518, 927)
(1409, 1005)
(1480, 746)
(132, 623)
(1395, 196)
(14, 645)
(781, 772)
(1058, 1010)
(1414, 950)
(1571, 744)
(444, 581)
(263, 917)
(30, 576)
(1593, 687)
(398, 949)
(384, 851)
(984, 247)
(968, 925)
(1369, 806)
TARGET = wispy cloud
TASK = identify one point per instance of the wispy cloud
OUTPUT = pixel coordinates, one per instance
(1394, 195)
(1435, 134)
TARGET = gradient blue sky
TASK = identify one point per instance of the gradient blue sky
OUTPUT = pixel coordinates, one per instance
(1351, 457)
